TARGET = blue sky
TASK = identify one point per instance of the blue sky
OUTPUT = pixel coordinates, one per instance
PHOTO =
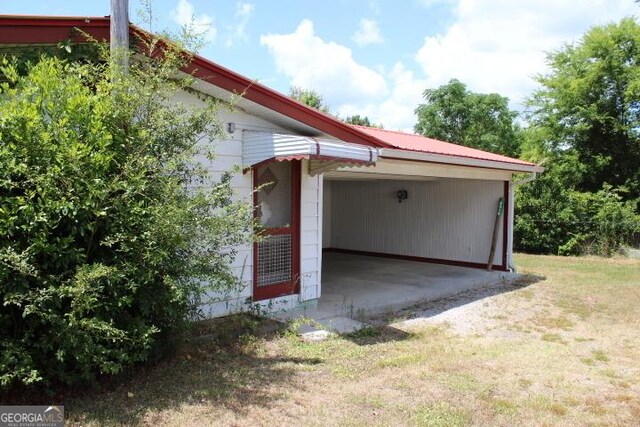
(372, 57)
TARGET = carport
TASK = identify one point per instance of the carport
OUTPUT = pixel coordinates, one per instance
(415, 226)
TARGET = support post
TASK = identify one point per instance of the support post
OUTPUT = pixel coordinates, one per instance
(119, 34)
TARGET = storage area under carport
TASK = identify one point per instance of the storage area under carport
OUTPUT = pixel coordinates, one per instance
(391, 240)
(431, 219)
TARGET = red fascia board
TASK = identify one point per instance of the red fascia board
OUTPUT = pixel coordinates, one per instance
(20, 30)
(55, 21)
(253, 91)
(49, 30)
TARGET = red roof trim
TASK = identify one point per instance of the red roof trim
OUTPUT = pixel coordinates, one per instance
(18, 29)
(60, 21)
(260, 94)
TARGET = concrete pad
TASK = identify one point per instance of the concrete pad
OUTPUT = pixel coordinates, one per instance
(315, 336)
(357, 285)
(342, 324)
(321, 321)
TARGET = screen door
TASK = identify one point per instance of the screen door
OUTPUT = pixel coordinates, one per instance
(277, 201)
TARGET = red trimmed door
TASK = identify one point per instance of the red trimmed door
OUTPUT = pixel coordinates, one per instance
(276, 259)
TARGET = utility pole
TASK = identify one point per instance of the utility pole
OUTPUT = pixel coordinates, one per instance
(119, 25)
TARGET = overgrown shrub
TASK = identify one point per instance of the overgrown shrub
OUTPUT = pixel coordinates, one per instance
(552, 217)
(109, 230)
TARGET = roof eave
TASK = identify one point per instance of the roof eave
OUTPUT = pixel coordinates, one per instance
(395, 153)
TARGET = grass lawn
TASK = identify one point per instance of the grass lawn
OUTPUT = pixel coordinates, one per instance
(560, 349)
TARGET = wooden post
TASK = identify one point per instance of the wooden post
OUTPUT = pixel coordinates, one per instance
(119, 25)
(494, 237)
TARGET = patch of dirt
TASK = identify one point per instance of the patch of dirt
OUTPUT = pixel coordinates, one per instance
(478, 311)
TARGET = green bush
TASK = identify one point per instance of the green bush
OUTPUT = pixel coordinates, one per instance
(109, 230)
(552, 217)
(602, 223)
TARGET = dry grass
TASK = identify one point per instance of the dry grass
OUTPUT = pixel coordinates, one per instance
(564, 350)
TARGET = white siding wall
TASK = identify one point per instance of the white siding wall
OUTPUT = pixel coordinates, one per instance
(450, 219)
(326, 213)
(228, 155)
(510, 218)
(310, 234)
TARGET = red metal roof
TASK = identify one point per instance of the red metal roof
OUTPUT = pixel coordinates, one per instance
(413, 142)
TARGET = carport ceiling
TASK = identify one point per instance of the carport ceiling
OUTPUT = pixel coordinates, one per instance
(361, 176)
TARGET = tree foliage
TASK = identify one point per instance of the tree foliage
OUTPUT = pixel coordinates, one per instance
(359, 120)
(109, 230)
(309, 97)
(589, 104)
(585, 124)
(455, 114)
(553, 217)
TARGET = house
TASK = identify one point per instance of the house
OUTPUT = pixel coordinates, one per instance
(329, 186)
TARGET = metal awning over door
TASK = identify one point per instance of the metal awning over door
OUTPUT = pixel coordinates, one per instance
(324, 153)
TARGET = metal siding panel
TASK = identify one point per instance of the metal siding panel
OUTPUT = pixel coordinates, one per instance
(309, 237)
(310, 224)
(310, 231)
(448, 219)
(309, 209)
(309, 279)
(307, 266)
(326, 213)
(228, 147)
(320, 181)
(309, 251)
(310, 292)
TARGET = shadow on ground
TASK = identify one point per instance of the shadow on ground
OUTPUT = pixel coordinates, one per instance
(225, 365)
(221, 367)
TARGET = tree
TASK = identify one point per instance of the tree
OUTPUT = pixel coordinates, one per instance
(552, 217)
(109, 229)
(453, 113)
(589, 103)
(362, 121)
(309, 97)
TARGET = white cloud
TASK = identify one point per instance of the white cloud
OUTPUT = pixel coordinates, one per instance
(238, 31)
(396, 111)
(184, 15)
(499, 45)
(431, 3)
(491, 45)
(327, 67)
(368, 33)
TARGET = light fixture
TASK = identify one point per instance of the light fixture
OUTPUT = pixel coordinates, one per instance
(231, 127)
(402, 195)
